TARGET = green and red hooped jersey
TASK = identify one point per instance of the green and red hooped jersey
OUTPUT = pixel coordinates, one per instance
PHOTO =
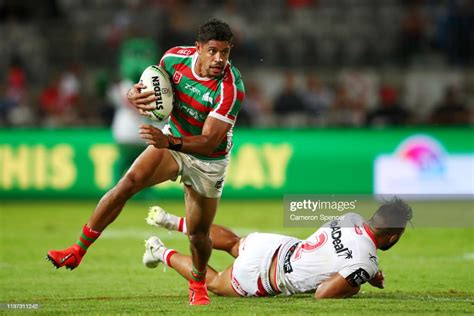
(197, 97)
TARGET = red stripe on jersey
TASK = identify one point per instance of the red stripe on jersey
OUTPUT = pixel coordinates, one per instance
(229, 93)
(190, 120)
(240, 95)
(184, 51)
(231, 117)
(178, 126)
(190, 101)
(186, 71)
(371, 235)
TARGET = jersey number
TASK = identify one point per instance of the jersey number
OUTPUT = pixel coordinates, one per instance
(308, 246)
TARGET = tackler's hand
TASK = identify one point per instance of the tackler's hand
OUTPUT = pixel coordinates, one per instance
(378, 280)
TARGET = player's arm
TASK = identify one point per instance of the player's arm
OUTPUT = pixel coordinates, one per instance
(336, 287)
(213, 132)
(378, 280)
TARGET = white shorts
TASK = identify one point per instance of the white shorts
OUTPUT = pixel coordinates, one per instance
(205, 177)
(252, 266)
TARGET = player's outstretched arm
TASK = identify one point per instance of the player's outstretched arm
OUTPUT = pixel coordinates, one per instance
(378, 280)
(336, 287)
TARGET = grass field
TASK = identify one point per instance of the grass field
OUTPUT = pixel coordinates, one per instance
(431, 270)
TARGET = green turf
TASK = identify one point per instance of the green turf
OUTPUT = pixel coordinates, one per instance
(430, 271)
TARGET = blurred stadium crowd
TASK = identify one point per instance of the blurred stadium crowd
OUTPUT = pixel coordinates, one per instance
(342, 63)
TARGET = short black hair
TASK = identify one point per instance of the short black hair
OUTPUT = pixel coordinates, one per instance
(215, 29)
(392, 214)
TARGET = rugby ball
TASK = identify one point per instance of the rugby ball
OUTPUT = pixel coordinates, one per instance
(157, 80)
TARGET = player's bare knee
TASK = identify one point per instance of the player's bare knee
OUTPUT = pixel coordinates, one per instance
(130, 184)
(199, 239)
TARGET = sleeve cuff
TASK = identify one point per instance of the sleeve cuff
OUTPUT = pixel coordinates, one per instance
(222, 118)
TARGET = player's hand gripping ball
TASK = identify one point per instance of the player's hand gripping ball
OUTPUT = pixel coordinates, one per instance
(157, 80)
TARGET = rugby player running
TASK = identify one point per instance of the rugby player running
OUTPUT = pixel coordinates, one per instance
(195, 145)
(331, 263)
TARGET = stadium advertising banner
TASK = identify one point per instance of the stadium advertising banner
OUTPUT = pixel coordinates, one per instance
(265, 163)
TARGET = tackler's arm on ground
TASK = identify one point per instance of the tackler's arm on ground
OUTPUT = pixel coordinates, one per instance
(336, 287)
(378, 280)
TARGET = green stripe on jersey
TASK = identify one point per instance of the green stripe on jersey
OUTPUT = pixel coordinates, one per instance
(200, 93)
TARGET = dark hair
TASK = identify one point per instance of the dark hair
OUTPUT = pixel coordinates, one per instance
(215, 29)
(392, 214)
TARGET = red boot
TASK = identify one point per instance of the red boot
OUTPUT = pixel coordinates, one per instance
(198, 293)
(70, 257)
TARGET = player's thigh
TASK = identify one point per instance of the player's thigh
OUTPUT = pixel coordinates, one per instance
(200, 210)
(221, 284)
(153, 166)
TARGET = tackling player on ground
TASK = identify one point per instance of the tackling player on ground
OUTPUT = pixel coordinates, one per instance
(333, 262)
(196, 144)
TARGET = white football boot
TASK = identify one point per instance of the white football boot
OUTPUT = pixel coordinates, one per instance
(154, 249)
(160, 218)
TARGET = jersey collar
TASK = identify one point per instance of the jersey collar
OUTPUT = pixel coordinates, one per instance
(193, 63)
(371, 235)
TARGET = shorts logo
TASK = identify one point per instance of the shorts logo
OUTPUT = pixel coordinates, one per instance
(177, 77)
(219, 184)
(237, 287)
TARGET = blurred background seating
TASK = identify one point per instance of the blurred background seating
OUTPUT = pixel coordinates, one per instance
(306, 63)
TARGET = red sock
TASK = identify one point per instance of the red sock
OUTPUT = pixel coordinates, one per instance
(87, 237)
(167, 256)
(182, 225)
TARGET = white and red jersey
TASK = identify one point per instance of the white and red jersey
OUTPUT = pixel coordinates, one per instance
(343, 246)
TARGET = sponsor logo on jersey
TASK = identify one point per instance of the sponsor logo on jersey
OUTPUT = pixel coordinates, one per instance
(155, 80)
(207, 98)
(336, 234)
(177, 77)
(192, 112)
(358, 277)
(189, 87)
(184, 51)
(348, 254)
